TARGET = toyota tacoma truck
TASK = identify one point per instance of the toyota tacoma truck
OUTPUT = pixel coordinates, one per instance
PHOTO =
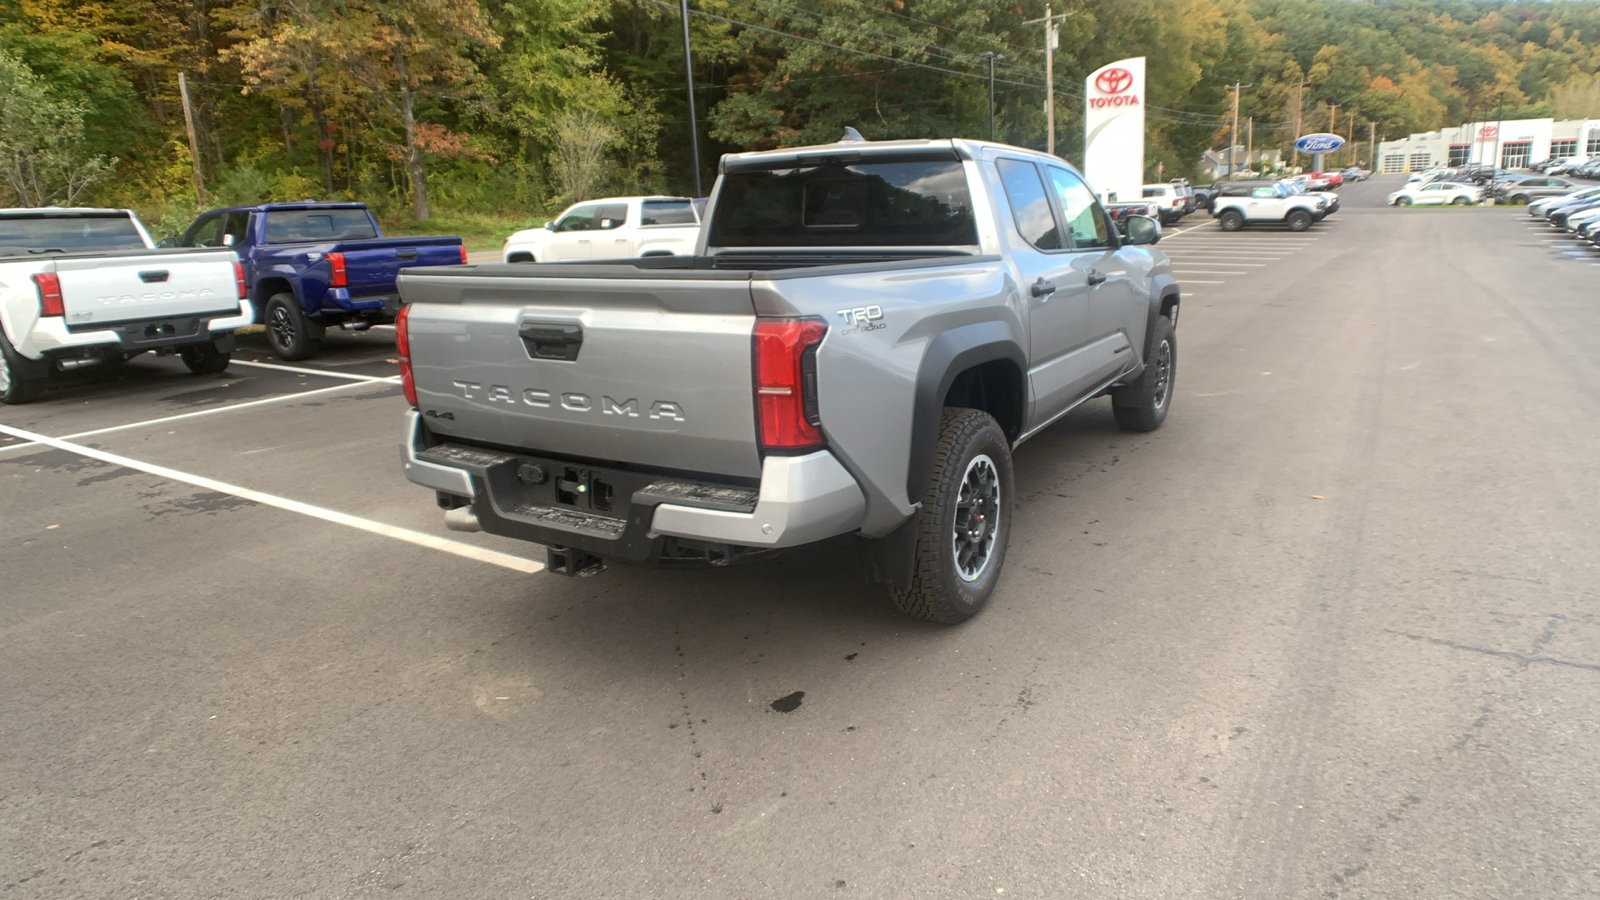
(866, 333)
(84, 288)
(615, 228)
(310, 266)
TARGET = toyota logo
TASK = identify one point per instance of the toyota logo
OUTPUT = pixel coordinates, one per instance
(1113, 81)
(1488, 133)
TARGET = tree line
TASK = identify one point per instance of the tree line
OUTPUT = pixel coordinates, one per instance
(511, 107)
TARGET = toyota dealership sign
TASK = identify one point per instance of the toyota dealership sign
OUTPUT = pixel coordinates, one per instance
(1113, 129)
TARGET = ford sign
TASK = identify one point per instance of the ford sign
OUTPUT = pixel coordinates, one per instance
(1319, 143)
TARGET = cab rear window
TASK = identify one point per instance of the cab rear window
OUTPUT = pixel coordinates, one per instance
(21, 234)
(285, 226)
(877, 204)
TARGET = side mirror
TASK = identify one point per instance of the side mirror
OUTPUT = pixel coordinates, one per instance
(1142, 230)
(167, 243)
(549, 226)
(227, 240)
(606, 224)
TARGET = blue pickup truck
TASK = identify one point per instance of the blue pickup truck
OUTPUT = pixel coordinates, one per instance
(309, 266)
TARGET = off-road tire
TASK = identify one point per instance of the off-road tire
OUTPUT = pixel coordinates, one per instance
(292, 336)
(939, 592)
(21, 379)
(1143, 405)
(204, 359)
(1298, 220)
(1230, 220)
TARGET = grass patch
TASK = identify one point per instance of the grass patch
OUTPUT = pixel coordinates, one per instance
(479, 231)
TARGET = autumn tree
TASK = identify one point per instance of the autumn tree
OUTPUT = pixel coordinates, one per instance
(42, 157)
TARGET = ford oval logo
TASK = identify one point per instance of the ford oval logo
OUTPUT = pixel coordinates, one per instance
(1113, 81)
(1319, 143)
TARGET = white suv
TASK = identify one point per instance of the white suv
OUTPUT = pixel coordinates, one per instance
(1169, 198)
(1240, 204)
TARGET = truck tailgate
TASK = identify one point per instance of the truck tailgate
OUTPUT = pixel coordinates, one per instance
(156, 284)
(371, 266)
(650, 368)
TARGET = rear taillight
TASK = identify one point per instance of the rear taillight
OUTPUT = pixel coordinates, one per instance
(402, 346)
(49, 284)
(337, 276)
(463, 249)
(786, 383)
(238, 280)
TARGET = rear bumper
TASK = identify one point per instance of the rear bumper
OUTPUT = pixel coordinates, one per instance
(50, 336)
(381, 306)
(636, 516)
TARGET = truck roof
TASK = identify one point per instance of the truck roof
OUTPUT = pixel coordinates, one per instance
(850, 150)
(65, 211)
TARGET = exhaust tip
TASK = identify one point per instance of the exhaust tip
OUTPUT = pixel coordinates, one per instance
(462, 518)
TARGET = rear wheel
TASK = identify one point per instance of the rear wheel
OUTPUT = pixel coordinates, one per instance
(204, 359)
(21, 379)
(1403, 201)
(1519, 199)
(1461, 201)
(964, 522)
(1298, 220)
(293, 337)
(1231, 220)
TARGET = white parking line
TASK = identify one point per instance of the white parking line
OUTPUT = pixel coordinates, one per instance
(481, 554)
(1179, 264)
(1208, 254)
(392, 379)
(196, 414)
(1191, 281)
(1180, 272)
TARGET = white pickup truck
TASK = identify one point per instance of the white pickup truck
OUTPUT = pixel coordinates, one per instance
(614, 228)
(87, 287)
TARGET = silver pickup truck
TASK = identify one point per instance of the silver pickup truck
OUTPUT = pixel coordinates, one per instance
(865, 334)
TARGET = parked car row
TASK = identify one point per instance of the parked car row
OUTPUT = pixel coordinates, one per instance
(88, 288)
(1577, 212)
(1172, 200)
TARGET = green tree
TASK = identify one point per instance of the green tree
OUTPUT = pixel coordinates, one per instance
(42, 156)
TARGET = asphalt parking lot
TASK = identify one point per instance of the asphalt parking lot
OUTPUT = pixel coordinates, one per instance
(1331, 632)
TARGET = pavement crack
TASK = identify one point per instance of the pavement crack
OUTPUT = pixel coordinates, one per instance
(1524, 659)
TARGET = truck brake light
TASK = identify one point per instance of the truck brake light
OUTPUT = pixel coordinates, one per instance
(337, 278)
(463, 249)
(238, 280)
(49, 284)
(786, 383)
(402, 346)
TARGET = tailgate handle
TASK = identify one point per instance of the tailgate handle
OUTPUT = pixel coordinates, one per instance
(405, 255)
(153, 276)
(551, 340)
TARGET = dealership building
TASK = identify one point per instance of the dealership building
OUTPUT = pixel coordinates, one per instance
(1514, 143)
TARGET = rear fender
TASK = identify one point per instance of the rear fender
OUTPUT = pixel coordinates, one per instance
(947, 356)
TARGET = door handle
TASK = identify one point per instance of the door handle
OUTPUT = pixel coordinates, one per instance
(551, 340)
(405, 255)
(154, 276)
(1096, 278)
(1043, 288)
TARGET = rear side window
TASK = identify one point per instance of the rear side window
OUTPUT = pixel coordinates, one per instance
(1153, 192)
(870, 204)
(290, 225)
(20, 234)
(668, 212)
(1264, 193)
(1030, 205)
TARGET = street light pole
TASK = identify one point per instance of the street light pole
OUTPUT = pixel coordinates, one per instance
(688, 77)
(1499, 119)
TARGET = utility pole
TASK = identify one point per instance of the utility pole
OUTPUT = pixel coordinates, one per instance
(194, 147)
(1372, 142)
(1299, 105)
(992, 57)
(1333, 114)
(1050, 40)
(688, 77)
(1250, 142)
(1233, 141)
